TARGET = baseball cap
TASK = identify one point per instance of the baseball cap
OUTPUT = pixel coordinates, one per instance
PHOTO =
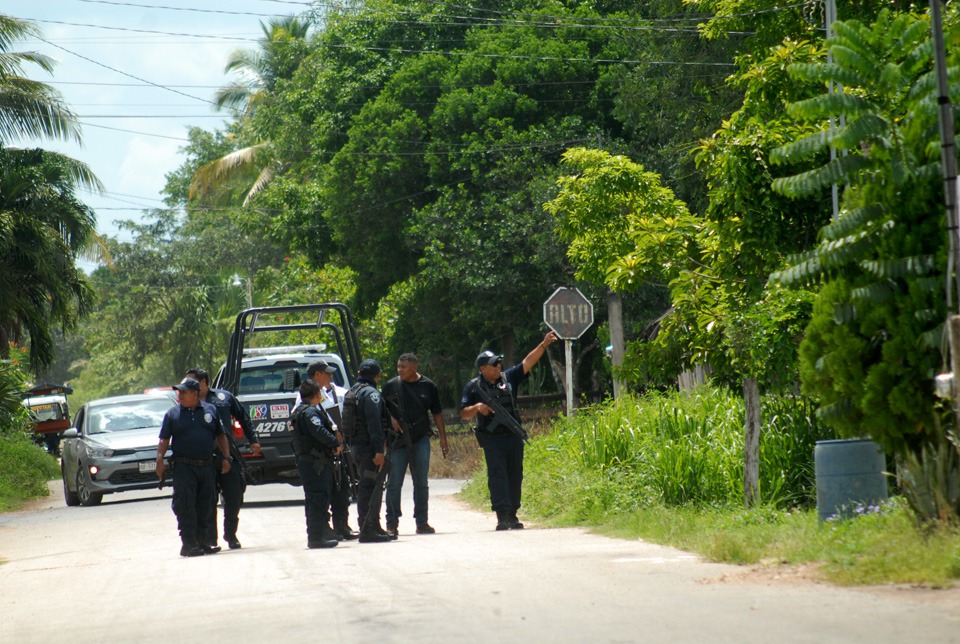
(369, 368)
(487, 358)
(187, 384)
(320, 365)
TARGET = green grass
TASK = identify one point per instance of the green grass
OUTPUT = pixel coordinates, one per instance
(667, 468)
(25, 469)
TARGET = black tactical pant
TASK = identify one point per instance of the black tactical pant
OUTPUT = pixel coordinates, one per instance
(363, 454)
(504, 456)
(194, 487)
(232, 487)
(317, 489)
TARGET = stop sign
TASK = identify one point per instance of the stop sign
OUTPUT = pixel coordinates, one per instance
(568, 313)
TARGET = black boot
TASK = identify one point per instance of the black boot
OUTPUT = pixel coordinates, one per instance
(375, 534)
(328, 539)
(344, 533)
(191, 549)
(515, 522)
(503, 520)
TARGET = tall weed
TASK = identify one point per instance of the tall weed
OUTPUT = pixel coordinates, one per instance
(673, 449)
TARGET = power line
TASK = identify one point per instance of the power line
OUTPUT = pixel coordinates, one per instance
(120, 129)
(137, 31)
(466, 54)
(151, 116)
(169, 8)
(123, 73)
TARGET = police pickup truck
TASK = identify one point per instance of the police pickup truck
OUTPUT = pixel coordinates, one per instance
(266, 379)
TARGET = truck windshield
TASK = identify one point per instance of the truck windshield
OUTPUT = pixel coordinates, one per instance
(266, 379)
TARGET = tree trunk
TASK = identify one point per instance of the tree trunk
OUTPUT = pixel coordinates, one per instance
(751, 447)
(615, 316)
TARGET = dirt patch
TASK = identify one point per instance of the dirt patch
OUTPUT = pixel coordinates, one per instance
(776, 573)
(771, 573)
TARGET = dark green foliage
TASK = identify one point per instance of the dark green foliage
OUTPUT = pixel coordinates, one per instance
(44, 228)
(13, 415)
(871, 350)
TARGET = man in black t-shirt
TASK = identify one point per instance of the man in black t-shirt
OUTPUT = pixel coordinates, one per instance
(414, 399)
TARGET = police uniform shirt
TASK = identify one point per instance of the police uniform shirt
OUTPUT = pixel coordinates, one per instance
(370, 408)
(315, 424)
(417, 401)
(332, 402)
(193, 431)
(514, 376)
(228, 407)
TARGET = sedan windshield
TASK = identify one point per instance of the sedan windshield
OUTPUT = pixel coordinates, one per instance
(123, 416)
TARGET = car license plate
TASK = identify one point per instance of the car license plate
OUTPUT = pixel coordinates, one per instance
(148, 466)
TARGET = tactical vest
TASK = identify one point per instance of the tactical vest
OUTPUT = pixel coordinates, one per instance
(350, 417)
(504, 396)
(303, 443)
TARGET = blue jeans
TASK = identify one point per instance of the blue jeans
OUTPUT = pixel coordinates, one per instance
(420, 469)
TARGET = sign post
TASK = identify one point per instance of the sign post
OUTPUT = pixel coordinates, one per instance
(569, 314)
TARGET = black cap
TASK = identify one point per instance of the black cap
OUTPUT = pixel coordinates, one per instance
(188, 384)
(488, 357)
(320, 365)
(369, 368)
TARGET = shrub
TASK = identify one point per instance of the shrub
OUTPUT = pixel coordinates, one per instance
(673, 449)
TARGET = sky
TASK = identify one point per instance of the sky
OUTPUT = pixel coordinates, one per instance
(138, 74)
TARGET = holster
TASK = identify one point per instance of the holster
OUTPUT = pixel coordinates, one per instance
(320, 460)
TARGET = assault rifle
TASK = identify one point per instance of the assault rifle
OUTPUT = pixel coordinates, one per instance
(376, 497)
(501, 415)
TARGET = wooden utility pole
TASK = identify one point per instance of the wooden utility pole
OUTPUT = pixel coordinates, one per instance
(751, 443)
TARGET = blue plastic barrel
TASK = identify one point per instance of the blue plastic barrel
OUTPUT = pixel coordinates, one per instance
(850, 474)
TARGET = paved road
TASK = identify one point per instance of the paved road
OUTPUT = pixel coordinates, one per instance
(112, 573)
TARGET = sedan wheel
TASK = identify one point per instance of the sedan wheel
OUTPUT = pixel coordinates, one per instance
(70, 497)
(87, 496)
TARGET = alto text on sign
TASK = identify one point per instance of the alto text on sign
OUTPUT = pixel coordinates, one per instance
(568, 313)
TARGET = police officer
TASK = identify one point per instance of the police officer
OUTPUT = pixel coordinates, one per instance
(502, 449)
(233, 484)
(315, 445)
(321, 372)
(368, 446)
(414, 400)
(193, 426)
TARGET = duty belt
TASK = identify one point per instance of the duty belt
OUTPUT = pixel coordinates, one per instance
(193, 461)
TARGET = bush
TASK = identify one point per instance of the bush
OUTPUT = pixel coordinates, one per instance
(672, 449)
(25, 469)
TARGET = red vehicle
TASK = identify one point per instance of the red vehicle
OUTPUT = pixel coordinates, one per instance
(47, 406)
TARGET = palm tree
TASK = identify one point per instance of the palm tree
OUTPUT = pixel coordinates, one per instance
(280, 52)
(29, 109)
(259, 69)
(44, 228)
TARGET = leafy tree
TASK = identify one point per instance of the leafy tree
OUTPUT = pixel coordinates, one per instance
(873, 345)
(185, 310)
